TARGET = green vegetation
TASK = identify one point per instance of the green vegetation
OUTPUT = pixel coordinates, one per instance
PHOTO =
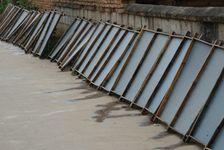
(3, 5)
(26, 4)
(50, 44)
(22, 3)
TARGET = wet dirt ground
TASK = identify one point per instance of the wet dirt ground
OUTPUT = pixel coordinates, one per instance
(42, 108)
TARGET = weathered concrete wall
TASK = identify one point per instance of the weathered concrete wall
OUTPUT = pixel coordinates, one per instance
(43, 4)
(196, 3)
(92, 3)
(199, 3)
(207, 21)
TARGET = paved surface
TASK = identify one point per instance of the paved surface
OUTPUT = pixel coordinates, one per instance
(42, 108)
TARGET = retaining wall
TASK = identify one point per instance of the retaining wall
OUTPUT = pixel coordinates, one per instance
(208, 21)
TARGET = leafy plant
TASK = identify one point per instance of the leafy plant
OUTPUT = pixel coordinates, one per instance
(22, 3)
(3, 5)
(26, 4)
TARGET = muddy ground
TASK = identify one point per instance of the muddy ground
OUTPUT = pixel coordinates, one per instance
(42, 108)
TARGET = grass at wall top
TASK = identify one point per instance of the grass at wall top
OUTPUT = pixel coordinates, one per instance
(26, 4)
(3, 5)
(22, 3)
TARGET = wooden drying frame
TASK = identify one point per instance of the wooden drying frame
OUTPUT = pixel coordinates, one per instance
(8, 16)
(8, 37)
(34, 35)
(101, 42)
(165, 99)
(64, 62)
(12, 23)
(5, 15)
(119, 60)
(76, 68)
(203, 109)
(26, 27)
(35, 49)
(96, 24)
(66, 51)
(39, 52)
(23, 41)
(126, 62)
(221, 125)
(188, 137)
(192, 86)
(57, 56)
(9, 21)
(151, 71)
(165, 72)
(59, 41)
(104, 53)
(111, 54)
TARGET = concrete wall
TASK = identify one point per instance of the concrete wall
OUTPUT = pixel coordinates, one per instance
(43, 4)
(200, 3)
(195, 3)
(93, 3)
(207, 21)
(47, 4)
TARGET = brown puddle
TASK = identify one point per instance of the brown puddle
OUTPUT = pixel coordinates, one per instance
(147, 121)
(128, 108)
(104, 113)
(64, 90)
(82, 86)
(89, 97)
(161, 135)
(125, 115)
(171, 147)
